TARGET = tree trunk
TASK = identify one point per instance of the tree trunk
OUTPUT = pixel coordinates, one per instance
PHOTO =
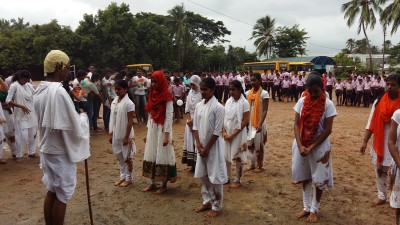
(383, 50)
(369, 47)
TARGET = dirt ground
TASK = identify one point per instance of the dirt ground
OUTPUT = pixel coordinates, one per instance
(265, 198)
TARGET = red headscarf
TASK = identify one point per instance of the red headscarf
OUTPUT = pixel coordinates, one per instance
(382, 114)
(158, 98)
(311, 114)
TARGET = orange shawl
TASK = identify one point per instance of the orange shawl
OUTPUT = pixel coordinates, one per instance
(383, 112)
(311, 114)
(255, 96)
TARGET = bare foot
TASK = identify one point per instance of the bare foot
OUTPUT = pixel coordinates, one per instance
(252, 167)
(203, 208)
(312, 218)
(258, 170)
(117, 183)
(3, 161)
(125, 183)
(161, 190)
(235, 185)
(34, 156)
(150, 188)
(302, 214)
(212, 214)
(379, 201)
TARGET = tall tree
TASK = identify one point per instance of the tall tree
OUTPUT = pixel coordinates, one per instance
(351, 45)
(391, 14)
(108, 38)
(290, 42)
(263, 33)
(364, 11)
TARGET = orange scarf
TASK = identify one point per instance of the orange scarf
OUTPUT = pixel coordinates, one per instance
(311, 114)
(382, 114)
(256, 109)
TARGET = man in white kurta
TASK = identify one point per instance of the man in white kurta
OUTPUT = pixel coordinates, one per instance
(64, 137)
(211, 169)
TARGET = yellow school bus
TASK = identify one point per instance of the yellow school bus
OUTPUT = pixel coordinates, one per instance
(301, 66)
(134, 67)
(259, 67)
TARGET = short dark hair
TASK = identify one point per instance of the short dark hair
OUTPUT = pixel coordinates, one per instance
(209, 82)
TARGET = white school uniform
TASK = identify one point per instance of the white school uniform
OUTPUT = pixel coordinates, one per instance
(235, 151)
(159, 160)
(258, 140)
(118, 122)
(25, 124)
(189, 151)
(211, 169)
(310, 167)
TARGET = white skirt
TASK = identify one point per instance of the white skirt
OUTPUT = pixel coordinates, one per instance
(316, 166)
(158, 161)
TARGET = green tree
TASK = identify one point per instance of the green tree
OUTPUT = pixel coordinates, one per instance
(364, 12)
(391, 14)
(290, 42)
(395, 53)
(188, 30)
(263, 33)
(108, 38)
(153, 44)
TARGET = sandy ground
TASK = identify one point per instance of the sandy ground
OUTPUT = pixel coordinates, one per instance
(265, 198)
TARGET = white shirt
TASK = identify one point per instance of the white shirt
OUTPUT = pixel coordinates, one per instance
(141, 85)
(109, 84)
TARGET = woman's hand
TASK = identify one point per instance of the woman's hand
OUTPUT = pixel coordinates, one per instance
(166, 139)
(190, 123)
(25, 110)
(303, 150)
(125, 141)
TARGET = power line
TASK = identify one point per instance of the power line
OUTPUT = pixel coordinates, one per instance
(219, 13)
(213, 10)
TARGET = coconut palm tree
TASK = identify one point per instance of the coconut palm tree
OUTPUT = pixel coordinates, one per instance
(263, 33)
(363, 11)
(391, 15)
(351, 45)
(178, 25)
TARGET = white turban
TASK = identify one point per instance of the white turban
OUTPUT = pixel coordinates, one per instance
(54, 58)
(194, 79)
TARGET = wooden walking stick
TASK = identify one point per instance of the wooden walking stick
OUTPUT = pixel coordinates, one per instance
(88, 191)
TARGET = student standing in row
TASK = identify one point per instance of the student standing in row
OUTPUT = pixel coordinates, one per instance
(339, 92)
(378, 125)
(311, 149)
(194, 97)
(159, 157)
(235, 132)
(258, 101)
(121, 132)
(210, 167)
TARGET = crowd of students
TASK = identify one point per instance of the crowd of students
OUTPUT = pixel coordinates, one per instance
(225, 126)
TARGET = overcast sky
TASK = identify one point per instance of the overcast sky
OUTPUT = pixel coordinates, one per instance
(322, 19)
